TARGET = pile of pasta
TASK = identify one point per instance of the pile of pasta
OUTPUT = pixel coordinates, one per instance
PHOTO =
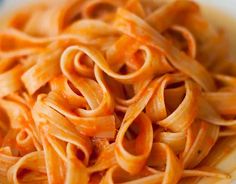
(115, 91)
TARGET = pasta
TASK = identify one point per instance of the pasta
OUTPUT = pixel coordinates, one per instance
(128, 92)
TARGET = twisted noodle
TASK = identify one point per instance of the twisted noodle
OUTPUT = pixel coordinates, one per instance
(103, 91)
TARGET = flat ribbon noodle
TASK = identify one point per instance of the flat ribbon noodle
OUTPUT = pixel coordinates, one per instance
(104, 91)
(128, 23)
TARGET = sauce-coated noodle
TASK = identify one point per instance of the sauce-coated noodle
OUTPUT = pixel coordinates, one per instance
(103, 91)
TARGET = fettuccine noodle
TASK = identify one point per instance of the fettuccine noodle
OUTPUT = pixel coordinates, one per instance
(115, 91)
